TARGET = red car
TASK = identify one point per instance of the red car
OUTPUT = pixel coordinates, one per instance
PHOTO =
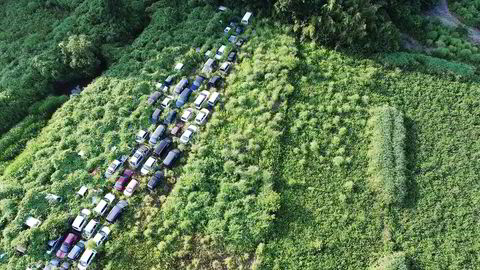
(67, 244)
(123, 180)
(121, 183)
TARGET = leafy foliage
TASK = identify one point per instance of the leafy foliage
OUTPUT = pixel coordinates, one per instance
(386, 157)
(276, 179)
(394, 261)
(468, 10)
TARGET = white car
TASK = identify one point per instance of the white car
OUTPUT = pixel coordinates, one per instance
(102, 205)
(201, 98)
(167, 101)
(220, 52)
(148, 166)
(202, 116)
(112, 168)
(161, 87)
(141, 136)
(187, 114)
(33, 222)
(81, 220)
(130, 188)
(187, 135)
(102, 235)
(90, 229)
(86, 259)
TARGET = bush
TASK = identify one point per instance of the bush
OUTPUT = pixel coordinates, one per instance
(394, 261)
(386, 154)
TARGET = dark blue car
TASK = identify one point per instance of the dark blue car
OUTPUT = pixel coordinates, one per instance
(197, 83)
(183, 98)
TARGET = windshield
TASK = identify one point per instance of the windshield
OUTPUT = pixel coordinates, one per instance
(64, 247)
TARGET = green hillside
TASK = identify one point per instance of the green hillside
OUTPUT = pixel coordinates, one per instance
(322, 153)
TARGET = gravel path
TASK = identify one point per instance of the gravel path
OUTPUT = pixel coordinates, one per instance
(442, 12)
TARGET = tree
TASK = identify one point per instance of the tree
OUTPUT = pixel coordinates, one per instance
(80, 54)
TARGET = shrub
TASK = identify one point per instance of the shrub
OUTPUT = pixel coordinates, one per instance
(386, 156)
(394, 261)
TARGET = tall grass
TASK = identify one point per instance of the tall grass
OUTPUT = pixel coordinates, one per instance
(386, 156)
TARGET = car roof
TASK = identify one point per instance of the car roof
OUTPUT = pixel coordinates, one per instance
(101, 204)
(87, 254)
(78, 220)
(159, 130)
(122, 203)
(32, 222)
(106, 229)
(91, 224)
(70, 238)
(110, 197)
(116, 162)
(150, 161)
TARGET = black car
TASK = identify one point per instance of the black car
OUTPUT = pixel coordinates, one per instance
(240, 42)
(169, 80)
(214, 81)
(171, 158)
(54, 244)
(116, 211)
(239, 30)
(170, 117)
(197, 83)
(156, 179)
(232, 56)
(76, 250)
(162, 146)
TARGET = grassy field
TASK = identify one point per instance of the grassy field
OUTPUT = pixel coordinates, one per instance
(278, 178)
(329, 219)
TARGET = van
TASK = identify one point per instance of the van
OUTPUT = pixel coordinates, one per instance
(220, 52)
(162, 146)
(155, 115)
(90, 229)
(86, 259)
(81, 220)
(171, 158)
(246, 18)
(157, 134)
(209, 66)
(148, 166)
(183, 98)
(213, 99)
(225, 68)
(116, 211)
(201, 98)
(181, 85)
(102, 206)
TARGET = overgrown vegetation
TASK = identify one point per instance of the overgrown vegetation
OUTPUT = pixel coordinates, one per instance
(386, 157)
(70, 41)
(278, 178)
(468, 10)
(394, 261)
(13, 142)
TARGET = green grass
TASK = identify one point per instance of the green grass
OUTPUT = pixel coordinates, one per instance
(278, 177)
(328, 218)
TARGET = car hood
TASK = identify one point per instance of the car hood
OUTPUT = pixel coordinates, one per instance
(60, 254)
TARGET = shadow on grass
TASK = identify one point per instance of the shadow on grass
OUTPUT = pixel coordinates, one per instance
(412, 166)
